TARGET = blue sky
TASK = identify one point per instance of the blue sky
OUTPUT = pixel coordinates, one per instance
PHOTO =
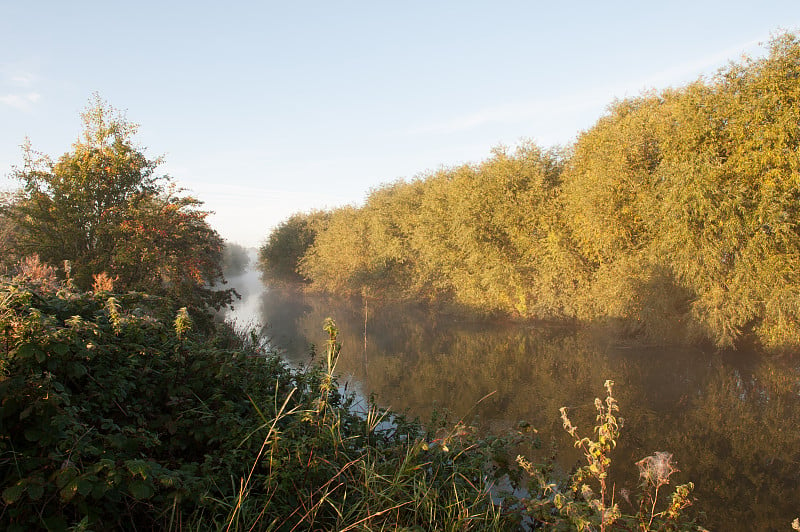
(262, 109)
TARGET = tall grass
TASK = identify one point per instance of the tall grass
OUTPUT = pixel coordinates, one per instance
(356, 471)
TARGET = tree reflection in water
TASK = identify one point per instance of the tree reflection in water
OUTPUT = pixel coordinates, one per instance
(731, 420)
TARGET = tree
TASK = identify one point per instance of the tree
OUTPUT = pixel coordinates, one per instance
(8, 233)
(102, 207)
(729, 190)
(235, 259)
(280, 256)
(166, 246)
(339, 259)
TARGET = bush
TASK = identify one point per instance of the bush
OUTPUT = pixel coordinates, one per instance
(109, 414)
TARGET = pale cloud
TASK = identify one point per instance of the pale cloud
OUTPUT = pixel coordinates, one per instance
(22, 79)
(18, 74)
(591, 100)
(18, 87)
(547, 109)
(19, 101)
(705, 64)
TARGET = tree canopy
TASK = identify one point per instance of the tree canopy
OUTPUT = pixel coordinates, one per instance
(102, 207)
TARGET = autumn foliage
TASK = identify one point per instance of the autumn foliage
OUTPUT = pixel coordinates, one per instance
(103, 208)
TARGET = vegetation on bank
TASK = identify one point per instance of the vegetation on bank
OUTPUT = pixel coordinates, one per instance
(125, 405)
(675, 217)
(118, 413)
(235, 259)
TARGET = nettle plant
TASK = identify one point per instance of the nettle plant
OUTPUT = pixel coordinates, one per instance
(585, 501)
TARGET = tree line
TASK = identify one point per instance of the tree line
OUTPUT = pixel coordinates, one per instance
(674, 217)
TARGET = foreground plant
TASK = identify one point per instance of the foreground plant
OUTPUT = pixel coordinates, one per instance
(586, 502)
(117, 412)
(114, 411)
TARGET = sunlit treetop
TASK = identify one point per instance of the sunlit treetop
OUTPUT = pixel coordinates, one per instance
(84, 207)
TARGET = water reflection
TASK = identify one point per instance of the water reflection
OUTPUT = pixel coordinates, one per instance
(731, 421)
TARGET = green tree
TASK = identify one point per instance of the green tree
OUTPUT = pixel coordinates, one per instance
(339, 259)
(235, 259)
(609, 197)
(102, 207)
(503, 209)
(166, 246)
(279, 258)
(8, 233)
(729, 188)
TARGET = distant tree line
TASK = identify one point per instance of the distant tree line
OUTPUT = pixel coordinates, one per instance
(674, 217)
(235, 259)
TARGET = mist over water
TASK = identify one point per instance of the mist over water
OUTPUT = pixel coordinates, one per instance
(248, 285)
(730, 419)
(259, 310)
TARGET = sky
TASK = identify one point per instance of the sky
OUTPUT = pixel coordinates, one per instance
(263, 109)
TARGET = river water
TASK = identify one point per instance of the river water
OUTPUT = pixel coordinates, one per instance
(731, 420)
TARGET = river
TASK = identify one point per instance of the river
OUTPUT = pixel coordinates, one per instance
(731, 420)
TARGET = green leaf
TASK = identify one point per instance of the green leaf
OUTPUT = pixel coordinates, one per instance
(60, 349)
(99, 489)
(35, 491)
(65, 476)
(138, 467)
(559, 501)
(12, 493)
(76, 369)
(85, 486)
(25, 351)
(69, 491)
(141, 489)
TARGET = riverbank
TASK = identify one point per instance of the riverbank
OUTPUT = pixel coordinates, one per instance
(119, 413)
